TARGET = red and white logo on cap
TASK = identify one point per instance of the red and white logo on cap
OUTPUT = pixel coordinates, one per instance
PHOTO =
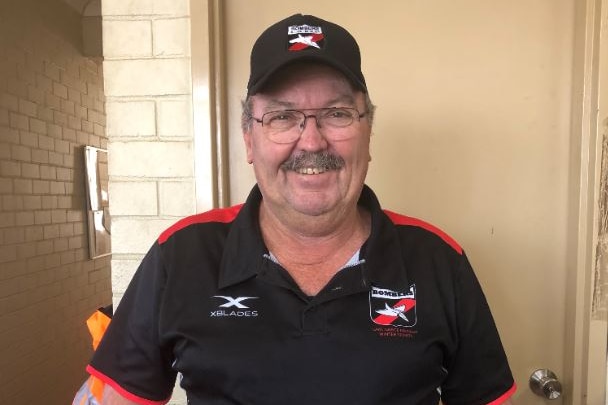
(304, 37)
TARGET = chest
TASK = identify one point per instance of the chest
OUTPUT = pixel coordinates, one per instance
(262, 340)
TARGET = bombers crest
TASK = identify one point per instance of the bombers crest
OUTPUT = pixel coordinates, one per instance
(393, 308)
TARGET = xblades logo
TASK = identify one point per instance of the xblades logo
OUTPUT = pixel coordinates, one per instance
(234, 302)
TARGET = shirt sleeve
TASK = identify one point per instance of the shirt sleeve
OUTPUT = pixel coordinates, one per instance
(130, 357)
(478, 370)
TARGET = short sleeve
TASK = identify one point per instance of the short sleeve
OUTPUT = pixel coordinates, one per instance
(130, 357)
(478, 370)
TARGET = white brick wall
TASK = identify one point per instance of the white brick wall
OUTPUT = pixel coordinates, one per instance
(51, 105)
(149, 107)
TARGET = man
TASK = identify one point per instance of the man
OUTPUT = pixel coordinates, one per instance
(309, 293)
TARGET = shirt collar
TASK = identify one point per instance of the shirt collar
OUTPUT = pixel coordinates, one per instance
(244, 250)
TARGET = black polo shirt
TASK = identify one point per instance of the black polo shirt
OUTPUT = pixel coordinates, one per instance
(405, 324)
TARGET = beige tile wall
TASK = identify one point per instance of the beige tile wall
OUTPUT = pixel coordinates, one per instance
(51, 105)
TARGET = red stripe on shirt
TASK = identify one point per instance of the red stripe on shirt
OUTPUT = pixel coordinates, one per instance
(504, 396)
(399, 219)
(223, 215)
(124, 393)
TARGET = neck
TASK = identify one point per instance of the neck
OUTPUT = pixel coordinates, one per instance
(313, 250)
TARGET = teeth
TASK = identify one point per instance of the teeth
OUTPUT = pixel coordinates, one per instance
(311, 170)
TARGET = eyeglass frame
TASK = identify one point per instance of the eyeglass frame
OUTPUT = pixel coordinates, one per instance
(357, 116)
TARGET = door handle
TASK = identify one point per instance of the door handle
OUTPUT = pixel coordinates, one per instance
(544, 383)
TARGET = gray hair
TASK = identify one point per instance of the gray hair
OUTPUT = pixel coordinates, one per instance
(247, 112)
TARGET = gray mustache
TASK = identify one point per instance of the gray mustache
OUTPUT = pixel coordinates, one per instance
(320, 160)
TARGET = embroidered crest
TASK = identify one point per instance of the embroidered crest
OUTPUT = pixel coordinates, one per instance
(304, 37)
(393, 308)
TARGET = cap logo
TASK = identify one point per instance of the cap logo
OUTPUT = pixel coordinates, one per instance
(305, 36)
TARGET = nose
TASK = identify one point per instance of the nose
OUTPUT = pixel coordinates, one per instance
(311, 137)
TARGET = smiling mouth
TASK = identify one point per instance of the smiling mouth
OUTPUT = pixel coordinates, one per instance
(311, 170)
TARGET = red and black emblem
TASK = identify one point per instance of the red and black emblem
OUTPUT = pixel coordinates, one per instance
(302, 37)
(393, 308)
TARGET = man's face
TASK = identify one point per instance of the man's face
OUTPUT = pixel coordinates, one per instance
(310, 186)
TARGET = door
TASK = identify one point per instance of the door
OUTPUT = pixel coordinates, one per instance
(478, 131)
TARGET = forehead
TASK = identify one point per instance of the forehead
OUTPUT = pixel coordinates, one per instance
(308, 82)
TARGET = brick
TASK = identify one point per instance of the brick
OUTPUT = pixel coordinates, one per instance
(123, 38)
(9, 101)
(171, 37)
(44, 83)
(7, 254)
(134, 198)
(174, 118)
(12, 202)
(4, 116)
(69, 135)
(64, 174)
(28, 139)
(22, 186)
(18, 121)
(75, 216)
(60, 118)
(126, 7)
(147, 77)
(6, 186)
(171, 7)
(48, 201)
(40, 156)
(44, 247)
(30, 170)
(74, 122)
(9, 135)
(60, 245)
(52, 101)
(14, 236)
(68, 107)
(33, 233)
(52, 71)
(28, 108)
(20, 152)
(177, 198)
(35, 95)
(42, 217)
(41, 187)
(55, 158)
(62, 146)
(141, 159)
(46, 142)
(58, 188)
(54, 131)
(37, 126)
(45, 114)
(5, 151)
(10, 169)
(32, 202)
(60, 90)
(8, 219)
(58, 216)
(136, 236)
(25, 218)
(51, 231)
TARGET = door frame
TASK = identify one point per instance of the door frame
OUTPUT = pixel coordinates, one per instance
(584, 368)
(586, 337)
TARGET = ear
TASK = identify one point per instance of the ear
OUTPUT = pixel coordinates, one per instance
(247, 137)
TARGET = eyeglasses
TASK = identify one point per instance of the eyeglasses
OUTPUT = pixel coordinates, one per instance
(286, 126)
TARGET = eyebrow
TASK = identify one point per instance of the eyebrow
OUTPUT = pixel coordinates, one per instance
(275, 104)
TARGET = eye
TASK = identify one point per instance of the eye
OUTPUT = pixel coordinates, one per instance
(280, 118)
(338, 113)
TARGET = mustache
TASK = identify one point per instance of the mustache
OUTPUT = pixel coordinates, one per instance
(320, 160)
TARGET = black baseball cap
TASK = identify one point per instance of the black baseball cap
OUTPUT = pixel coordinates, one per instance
(304, 38)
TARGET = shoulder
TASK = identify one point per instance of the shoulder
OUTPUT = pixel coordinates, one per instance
(407, 222)
(216, 216)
